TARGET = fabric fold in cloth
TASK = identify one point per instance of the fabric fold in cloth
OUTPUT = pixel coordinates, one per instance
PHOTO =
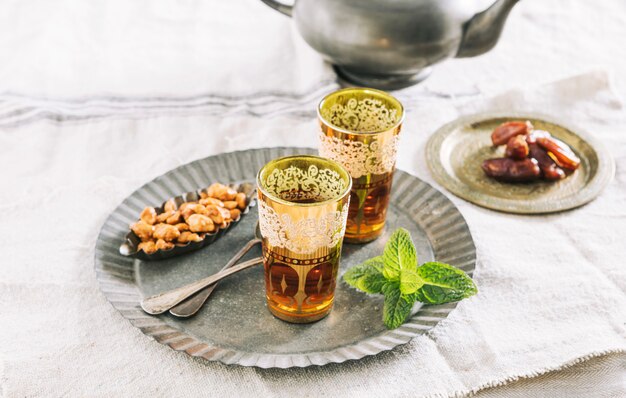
(551, 287)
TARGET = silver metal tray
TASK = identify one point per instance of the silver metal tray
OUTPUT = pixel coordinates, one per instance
(235, 327)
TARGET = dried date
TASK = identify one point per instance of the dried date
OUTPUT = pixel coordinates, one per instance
(559, 152)
(517, 148)
(549, 169)
(531, 138)
(503, 133)
(511, 170)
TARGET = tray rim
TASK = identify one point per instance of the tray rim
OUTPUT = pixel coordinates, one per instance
(119, 287)
(604, 175)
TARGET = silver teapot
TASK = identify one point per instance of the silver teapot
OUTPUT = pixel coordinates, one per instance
(390, 44)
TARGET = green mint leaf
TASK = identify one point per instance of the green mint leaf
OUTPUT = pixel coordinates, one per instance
(352, 275)
(397, 306)
(372, 283)
(399, 254)
(419, 296)
(443, 283)
(409, 281)
(367, 277)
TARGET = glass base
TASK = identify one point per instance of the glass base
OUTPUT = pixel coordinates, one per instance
(364, 238)
(302, 318)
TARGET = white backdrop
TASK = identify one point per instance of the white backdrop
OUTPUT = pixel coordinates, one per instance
(89, 90)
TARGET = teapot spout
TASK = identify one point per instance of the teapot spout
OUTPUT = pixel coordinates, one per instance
(481, 33)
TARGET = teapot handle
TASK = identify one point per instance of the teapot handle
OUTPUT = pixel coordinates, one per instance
(280, 7)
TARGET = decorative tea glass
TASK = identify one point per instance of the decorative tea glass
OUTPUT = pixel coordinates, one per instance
(303, 207)
(360, 129)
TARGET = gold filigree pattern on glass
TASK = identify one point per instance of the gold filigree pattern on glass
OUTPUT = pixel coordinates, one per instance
(361, 115)
(303, 207)
(360, 129)
(360, 158)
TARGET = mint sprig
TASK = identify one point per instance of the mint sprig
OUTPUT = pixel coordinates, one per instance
(396, 275)
(368, 276)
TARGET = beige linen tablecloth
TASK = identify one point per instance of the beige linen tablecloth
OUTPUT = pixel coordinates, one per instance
(97, 99)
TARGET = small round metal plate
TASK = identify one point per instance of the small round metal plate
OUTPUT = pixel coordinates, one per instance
(456, 151)
(234, 326)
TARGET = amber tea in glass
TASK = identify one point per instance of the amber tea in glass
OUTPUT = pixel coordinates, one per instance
(303, 207)
(360, 129)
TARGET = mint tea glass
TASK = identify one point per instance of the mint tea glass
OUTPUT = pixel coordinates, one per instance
(359, 129)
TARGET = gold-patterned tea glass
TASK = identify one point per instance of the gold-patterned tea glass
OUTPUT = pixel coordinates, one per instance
(303, 206)
(360, 129)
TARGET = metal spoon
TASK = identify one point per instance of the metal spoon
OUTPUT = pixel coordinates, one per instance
(162, 302)
(193, 304)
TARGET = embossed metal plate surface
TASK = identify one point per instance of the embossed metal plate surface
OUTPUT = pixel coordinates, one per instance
(235, 327)
(456, 151)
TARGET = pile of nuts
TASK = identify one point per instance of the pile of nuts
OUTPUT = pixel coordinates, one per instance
(530, 154)
(217, 207)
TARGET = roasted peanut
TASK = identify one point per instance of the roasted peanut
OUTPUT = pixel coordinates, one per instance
(189, 237)
(217, 218)
(230, 194)
(211, 201)
(166, 232)
(517, 148)
(230, 204)
(235, 213)
(224, 212)
(143, 230)
(214, 213)
(163, 245)
(148, 247)
(506, 169)
(200, 223)
(549, 169)
(148, 215)
(216, 190)
(161, 218)
(221, 192)
(194, 208)
(187, 211)
(170, 205)
(503, 133)
(174, 218)
(186, 205)
(182, 227)
(224, 216)
(559, 152)
(201, 209)
(241, 200)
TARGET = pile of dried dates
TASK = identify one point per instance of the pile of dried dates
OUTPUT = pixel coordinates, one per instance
(530, 155)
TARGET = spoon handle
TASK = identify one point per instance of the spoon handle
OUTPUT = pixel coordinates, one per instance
(160, 303)
(193, 304)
